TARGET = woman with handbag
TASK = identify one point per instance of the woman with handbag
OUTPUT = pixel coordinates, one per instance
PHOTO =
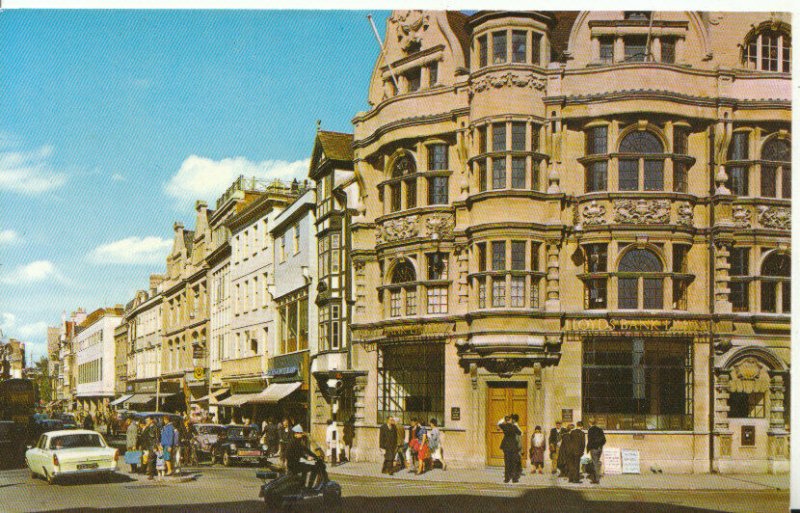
(132, 456)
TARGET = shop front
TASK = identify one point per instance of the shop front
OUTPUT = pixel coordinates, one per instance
(153, 395)
(291, 372)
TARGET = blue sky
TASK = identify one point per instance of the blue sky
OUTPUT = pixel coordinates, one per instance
(113, 122)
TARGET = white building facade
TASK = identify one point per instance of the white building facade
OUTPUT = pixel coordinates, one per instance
(94, 356)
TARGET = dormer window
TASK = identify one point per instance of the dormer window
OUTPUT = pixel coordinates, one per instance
(769, 50)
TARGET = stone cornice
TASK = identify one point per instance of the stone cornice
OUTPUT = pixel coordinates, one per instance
(654, 94)
(406, 122)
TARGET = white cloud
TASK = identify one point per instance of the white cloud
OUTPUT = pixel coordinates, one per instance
(7, 321)
(118, 177)
(29, 172)
(25, 332)
(206, 179)
(9, 237)
(132, 250)
(39, 270)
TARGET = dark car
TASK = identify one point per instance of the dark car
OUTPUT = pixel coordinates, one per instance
(204, 438)
(120, 421)
(69, 420)
(239, 443)
(43, 426)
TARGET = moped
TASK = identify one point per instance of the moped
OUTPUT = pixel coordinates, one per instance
(281, 491)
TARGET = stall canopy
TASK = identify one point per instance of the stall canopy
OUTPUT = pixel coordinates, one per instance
(141, 398)
(213, 395)
(120, 400)
(271, 394)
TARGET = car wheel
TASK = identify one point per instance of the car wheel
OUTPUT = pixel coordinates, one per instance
(34, 475)
(226, 459)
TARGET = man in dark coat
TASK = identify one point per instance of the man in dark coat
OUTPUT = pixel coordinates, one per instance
(596, 441)
(510, 447)
(388, 444)
(577, 447)
(564, 450)
(553, 442)
(149, 441)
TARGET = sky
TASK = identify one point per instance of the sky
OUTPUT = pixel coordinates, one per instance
(113, 123)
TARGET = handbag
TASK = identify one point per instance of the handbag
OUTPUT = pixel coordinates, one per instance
(145, 457)
(133, 457)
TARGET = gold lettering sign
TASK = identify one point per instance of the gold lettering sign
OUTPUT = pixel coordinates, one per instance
(402, 331)
(640, 325)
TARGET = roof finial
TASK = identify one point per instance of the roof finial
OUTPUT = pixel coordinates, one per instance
(319, 125)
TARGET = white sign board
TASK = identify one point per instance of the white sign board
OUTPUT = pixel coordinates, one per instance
(612, 460)
(630, 461)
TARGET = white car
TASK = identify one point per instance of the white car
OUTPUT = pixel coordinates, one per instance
(71, 452)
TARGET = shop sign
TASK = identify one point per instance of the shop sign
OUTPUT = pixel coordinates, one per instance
(612, 460)
(748, 435)
(196, 376)
(406, 330)
(566, 415)
(289, 367)
(639, 325)
(630, 461)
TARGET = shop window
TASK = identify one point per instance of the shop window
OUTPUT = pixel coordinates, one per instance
(638, 383)
(746, 406)
(411, 382)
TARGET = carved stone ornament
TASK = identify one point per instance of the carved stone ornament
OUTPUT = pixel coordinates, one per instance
(742, 216)
(594, 214)
(409, 26)
(509, 79)
(775, 217)
(685, 214)
(505, 367)
(641, 211)
(439, 226)
(397, 229)
(749, 376)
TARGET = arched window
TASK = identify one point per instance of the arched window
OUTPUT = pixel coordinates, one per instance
(637, 279)
(403, 290)
(776, 172)
(776, 292)
(404, 171)
(769, 50)
(647, 165)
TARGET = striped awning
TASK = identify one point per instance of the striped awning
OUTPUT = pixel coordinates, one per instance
(120, 400)
(213, 395)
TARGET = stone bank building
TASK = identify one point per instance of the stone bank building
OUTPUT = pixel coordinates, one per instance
(573, 215)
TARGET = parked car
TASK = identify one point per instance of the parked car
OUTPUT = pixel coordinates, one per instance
(239, 443)
(71, 452)
(38, 417)
(204, 438)
(69, 420)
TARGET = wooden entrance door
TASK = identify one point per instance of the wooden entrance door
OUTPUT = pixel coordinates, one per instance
(504, 399)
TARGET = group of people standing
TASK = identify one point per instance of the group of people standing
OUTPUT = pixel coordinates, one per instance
(161, 445)
(418, 448)
(567, 446)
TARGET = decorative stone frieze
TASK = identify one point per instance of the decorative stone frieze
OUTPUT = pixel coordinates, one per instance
(462, 268)
(594, 214)
(509, 79)
(439, 226)
(641, 211)
(721, 408)
(775, 217)
(742, 216)
(553, 302)
(749, 376)
(409, 26)
(722, 266)
(685, 213)
(397, 229)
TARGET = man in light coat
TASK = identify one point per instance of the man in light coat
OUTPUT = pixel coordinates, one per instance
(332, 440)
(132, 441)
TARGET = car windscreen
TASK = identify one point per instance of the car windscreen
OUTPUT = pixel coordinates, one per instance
(78, 440)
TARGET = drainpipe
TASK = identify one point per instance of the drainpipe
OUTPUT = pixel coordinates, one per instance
(712, 275)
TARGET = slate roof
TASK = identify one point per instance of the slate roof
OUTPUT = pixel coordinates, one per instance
(336, 145)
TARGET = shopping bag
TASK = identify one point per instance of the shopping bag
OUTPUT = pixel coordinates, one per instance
(133, 457)
(145, 457)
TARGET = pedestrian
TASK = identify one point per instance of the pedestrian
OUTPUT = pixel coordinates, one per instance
(284, 438)
(149, 443)
(168, 437)
(388, 443)
(564, 449)
(348, 436)
(273, 436)
(332, 440)
(131, 442)
(577, 447)
(160, 462)
(402, 443)
(553, 442)
(594, 444)
(423, 448)
(510, 448)
(435, 443)
(537, 450)
(88, 422)
(518, 461)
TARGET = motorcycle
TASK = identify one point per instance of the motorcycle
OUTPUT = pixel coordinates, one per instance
(281, 491)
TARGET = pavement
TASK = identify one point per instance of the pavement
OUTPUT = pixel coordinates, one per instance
(649, 481)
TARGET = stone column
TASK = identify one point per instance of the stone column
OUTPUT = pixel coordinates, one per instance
(553, 302)
(359, 392)
(777, 435)
(722, 268)
(722, 432)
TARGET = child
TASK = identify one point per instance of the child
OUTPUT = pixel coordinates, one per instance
(160, 464)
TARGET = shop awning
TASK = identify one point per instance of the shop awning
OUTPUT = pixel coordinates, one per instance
(120, 400)
(141, 398)
(212, 395)
(236, 400)
(274, 393)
